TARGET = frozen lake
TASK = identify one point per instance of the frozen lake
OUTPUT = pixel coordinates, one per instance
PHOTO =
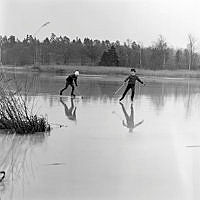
(106, 150)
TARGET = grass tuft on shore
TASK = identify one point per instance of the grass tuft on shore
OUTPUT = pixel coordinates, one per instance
(15, 115)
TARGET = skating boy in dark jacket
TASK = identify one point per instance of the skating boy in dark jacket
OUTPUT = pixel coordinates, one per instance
(69, 81)
(132, 78)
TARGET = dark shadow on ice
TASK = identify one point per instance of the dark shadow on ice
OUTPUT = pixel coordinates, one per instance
(2, 173)
(130, 124)
(69, 112)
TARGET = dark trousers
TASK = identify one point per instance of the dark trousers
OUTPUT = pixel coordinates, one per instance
(129, 86)
(66, 86)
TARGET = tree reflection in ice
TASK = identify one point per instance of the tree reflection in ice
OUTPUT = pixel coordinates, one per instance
(15, 159)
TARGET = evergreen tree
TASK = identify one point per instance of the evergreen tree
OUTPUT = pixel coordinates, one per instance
(109, 58)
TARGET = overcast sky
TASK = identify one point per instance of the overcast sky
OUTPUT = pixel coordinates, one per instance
(138, 20)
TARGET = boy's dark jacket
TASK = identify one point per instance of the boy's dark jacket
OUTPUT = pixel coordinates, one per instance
(71, 78)
(132, 78)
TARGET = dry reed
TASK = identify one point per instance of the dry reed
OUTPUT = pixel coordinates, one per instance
(15, 115)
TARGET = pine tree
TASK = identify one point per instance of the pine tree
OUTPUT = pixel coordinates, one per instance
(109, 58)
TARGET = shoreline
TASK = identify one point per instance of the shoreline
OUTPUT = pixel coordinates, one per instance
(101, 70)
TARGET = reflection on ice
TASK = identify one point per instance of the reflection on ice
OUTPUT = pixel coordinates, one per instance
(15, 158)
(130, 124)
(96, 158)
(69, 112)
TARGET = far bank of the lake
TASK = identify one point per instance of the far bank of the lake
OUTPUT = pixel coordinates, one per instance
(97, 70)
(105, 70)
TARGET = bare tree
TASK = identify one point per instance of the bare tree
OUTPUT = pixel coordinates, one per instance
(161, 45)
(140, 51)
(191, 49)
(129, 42)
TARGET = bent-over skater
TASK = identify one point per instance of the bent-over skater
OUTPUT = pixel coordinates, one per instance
(132, 78)
(69, 81)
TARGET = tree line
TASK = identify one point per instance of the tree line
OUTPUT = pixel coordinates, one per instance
(61, 50)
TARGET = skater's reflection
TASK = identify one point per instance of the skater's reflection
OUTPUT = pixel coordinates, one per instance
(130, 119)
(69, 112)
